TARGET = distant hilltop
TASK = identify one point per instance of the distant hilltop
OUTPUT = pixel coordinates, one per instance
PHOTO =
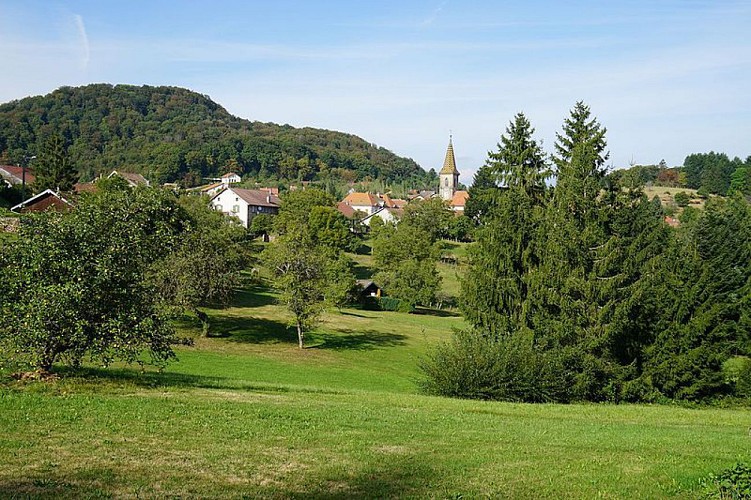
(171, 134)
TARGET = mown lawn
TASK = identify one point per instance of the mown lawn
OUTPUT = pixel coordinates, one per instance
(247, 414)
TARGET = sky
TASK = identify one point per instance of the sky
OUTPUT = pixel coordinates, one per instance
(666, 78)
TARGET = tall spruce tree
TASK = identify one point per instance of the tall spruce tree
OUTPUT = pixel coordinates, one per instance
(495, 291)
(53, 167)
(564, 291)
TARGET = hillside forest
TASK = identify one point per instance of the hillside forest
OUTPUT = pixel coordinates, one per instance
(170, 134)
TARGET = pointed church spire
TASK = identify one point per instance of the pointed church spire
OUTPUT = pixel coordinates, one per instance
(449, 164)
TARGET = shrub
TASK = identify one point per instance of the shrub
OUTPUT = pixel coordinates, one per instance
(392, 304)
(732, 483)
(477, 366)
(737, 373)
(681, 199)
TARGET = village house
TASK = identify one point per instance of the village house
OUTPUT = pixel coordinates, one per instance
(133, 180)
(16, 176)
(46, 200)
(230, 178)
(245, 203)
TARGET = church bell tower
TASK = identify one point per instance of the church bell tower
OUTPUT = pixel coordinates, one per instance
(449, 175)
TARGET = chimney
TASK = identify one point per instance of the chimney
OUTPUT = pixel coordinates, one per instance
(268, 198)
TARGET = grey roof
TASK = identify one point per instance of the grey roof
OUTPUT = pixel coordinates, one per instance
(256, 197)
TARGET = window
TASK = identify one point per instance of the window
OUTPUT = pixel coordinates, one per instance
(446, 182)
(235, 208)
(218, 208)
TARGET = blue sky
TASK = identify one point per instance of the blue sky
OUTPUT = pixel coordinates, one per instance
(667, 78)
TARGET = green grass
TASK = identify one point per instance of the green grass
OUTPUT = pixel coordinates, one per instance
(247, 414)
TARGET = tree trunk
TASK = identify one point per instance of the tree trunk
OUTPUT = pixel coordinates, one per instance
(204, 319)
(300, 335)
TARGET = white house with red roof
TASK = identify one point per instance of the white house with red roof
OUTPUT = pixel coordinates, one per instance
(13, 175)
(245, 203)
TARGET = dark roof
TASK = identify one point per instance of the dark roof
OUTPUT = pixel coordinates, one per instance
(46, 200)
(132, 178)
(256, 197)
(365, 284)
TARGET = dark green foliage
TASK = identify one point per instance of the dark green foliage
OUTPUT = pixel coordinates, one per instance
(261, 224)
(171, 134)
(710, 171)
(592, 281)
(733, 483)
(393, 304)
(204, 266)
(712, 320)
(682, 199)
(477, 366)
(53, 168)
(406, 257)
(432, 216)
(495, 289)
(306, 259)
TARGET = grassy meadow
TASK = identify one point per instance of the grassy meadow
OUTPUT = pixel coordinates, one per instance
(245, 413)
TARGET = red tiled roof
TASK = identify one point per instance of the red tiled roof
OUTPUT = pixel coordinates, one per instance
(86, 187)
(459, 199)
(346, 210)
(17, 174)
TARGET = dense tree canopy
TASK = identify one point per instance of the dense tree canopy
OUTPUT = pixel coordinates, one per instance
(588, 294)
(171, 134)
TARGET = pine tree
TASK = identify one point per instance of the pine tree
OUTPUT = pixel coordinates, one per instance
(566, 305)
(495, 291)
(53, 168)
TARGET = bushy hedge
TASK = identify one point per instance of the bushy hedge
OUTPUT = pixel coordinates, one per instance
(478, 366)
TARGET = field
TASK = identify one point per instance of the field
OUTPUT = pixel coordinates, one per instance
(667, 194)
(247, 414)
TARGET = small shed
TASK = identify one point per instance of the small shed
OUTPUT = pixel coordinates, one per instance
(368, 288)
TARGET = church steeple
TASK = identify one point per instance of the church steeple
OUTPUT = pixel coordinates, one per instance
(449, 175)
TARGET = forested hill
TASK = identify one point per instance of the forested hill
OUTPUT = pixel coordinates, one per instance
(174, 134)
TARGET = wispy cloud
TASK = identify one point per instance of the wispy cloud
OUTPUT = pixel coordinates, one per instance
(83, 39)
(433, 15)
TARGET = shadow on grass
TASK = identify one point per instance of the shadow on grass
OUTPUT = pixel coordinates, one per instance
(385, 476)
(356, 341)
(255, 296)
(117, 380)
(251, 330)
(440, 313)
(362, 272)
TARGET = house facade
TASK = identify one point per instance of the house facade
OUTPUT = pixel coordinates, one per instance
(245, 203)
(230, 178)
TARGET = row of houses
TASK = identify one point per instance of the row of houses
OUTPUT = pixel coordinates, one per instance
(53, 200)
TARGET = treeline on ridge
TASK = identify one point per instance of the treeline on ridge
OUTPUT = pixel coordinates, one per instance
(581, 292)
(172, 134)
(708, 173)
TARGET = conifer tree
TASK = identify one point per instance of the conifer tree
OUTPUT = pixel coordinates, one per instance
(564, 291)
(495, 291)
(53, 167)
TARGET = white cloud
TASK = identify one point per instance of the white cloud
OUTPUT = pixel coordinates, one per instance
(83, 40)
